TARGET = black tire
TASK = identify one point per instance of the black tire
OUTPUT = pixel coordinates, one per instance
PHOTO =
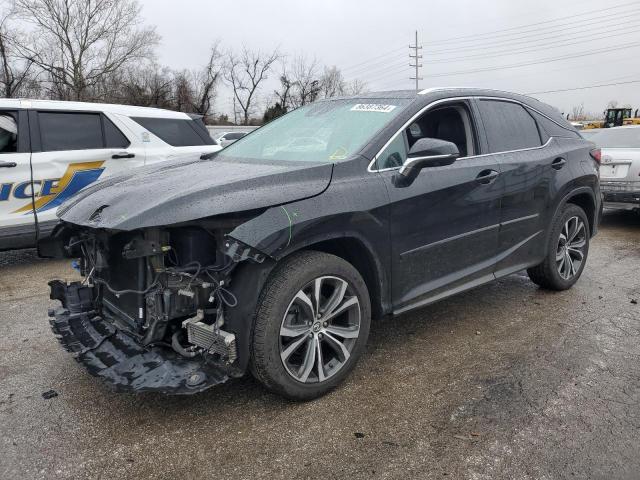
(547, 274)
(277, 296)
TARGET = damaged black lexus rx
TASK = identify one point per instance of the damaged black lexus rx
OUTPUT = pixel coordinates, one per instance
(273, 255)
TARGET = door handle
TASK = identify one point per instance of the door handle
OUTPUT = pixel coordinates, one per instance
(558, 163)
(8, 164)
(123, 155)
(485, 177)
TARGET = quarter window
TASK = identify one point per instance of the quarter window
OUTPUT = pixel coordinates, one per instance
(113, 136)
(176, 132)
(70, 131)
(508, 126)
(395, 154)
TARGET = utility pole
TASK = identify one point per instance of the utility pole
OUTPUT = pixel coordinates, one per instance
(416, 57)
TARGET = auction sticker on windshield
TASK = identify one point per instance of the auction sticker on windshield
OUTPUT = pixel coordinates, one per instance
(372, 107)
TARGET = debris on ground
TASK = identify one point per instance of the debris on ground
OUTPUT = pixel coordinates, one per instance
(49, 394)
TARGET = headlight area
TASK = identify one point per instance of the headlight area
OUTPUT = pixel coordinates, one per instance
(149, 314)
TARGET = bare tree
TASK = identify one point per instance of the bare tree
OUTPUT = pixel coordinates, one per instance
(333, 84)
(284, 94)
(306, 80)
(245, 73)
(205, 82)
(577, 112)
(16, 75)
(356, 87)
(79, 43)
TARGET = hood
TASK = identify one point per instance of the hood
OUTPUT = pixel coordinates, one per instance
(175, 192)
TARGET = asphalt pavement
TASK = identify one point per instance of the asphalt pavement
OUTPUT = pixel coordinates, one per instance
(506, 381)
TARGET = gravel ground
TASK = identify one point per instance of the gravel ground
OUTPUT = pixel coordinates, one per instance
(503, 382)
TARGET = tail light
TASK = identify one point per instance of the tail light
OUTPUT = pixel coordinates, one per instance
(596, 154)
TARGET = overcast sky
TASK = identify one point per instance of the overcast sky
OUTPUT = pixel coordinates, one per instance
(369, 40)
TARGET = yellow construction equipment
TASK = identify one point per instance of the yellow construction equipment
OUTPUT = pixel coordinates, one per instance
(615, 117)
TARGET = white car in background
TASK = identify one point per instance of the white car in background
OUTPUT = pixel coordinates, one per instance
(619, 165)
(227, 138)
(49, 150)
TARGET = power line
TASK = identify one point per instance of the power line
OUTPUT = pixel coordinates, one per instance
(546, 60)
(474, 37)
(584, 88)
(537, 36)
(544, 46)
(416, 58)
(382, 63)
(374, 59)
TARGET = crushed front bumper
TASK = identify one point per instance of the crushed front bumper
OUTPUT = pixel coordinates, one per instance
(117, 357)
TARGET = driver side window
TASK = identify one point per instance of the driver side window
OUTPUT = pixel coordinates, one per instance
(451, 123)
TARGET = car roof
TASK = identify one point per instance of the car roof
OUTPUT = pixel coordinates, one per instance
(428, 95)
(127, 110)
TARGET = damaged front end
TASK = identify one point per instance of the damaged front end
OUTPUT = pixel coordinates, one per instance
(151, 313)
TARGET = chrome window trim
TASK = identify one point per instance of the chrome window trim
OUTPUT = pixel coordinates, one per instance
(453, 99)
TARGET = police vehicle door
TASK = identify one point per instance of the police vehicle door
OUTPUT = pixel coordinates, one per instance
(15, 174)
(71, 150)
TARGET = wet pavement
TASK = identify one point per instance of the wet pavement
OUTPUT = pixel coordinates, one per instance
(503, 382)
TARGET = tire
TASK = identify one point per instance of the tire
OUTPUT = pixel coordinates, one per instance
(283, 313)
(552, 272)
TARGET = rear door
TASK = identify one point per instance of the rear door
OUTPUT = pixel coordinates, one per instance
(16, 223)
(71, 150)
(529, 170)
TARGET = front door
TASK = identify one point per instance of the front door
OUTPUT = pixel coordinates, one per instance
(17, 226)
(444, 225)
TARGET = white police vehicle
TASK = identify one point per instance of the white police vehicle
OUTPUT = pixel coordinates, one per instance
(49, 150)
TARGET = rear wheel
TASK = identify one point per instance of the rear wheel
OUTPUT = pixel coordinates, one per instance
(311, 327)
(567, 251)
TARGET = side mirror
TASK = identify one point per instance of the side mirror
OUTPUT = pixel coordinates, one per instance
(425, 153)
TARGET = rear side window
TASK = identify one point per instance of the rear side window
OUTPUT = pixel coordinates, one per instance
(114, 138)
(176, 132)
(70, 131)
(552, 129)
(508, 126)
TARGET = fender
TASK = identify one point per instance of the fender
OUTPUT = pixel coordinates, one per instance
(589, 191)
(352, 208)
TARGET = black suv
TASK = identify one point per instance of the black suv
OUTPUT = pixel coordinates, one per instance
(274, 254)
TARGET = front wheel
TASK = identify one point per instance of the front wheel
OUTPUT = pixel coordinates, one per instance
(312, 324)
(567, 250)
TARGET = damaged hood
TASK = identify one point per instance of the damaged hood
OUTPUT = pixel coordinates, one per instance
(175, 192)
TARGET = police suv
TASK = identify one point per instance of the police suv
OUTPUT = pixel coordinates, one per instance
(49, 150)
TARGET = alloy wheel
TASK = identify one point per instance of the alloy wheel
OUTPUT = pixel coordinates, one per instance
(571, 246)
(320, 329)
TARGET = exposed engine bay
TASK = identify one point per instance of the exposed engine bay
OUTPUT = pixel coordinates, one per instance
(150, 312)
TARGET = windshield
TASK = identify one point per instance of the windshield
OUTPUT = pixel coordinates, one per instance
(321, 132)
(617, 138)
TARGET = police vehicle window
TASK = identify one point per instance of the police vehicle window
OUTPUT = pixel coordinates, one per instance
(8, 133)
(175, 131)
(508, 126)
(113, 136)
(70, 131)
